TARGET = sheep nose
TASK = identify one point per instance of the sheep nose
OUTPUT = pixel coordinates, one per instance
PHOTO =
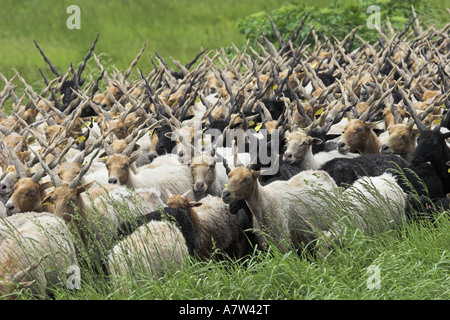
(341, 145)
(112, 180)
(384, 147)
(3, 186)
(199, 185)
(287, 155)
(9, 208)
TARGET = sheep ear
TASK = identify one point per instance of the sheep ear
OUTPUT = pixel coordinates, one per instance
(169, 194)
(134, 157)
(168, 135)
(45, 185)
(316, 141)
(85, 187)
(256, 174)
(195, 204)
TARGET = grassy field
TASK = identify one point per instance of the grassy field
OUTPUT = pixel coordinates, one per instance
(176, 28)
(412, 262)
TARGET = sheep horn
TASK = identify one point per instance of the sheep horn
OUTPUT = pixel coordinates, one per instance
(19, 166)
(55, 180)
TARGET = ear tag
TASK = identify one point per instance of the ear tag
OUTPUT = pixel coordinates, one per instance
(197, 100)
(131, 127)
(251, 123)
(275, 86)
(150, 133)
(315, 64)
(437, 121)
(47, 204)
(81, 139)
(319, 112)
(258, 127)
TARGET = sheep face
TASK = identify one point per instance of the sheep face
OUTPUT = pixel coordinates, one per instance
(241, 184)
(430, 147)
(184, 138)
(203, 170)
(298, 144)
(356, 135)
(401, 141)
(68, 170)
(7, 184)
(63, 198)
(26, 197)
(118, 167)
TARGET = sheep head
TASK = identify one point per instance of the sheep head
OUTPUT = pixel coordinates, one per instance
(358, 136)
(298, 145)
(203, 170)
(27, 196)
(242, 182)
(401, 140)
(63, 198)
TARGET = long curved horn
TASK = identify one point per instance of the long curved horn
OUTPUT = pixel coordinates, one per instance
(19, 165)
(55, 180)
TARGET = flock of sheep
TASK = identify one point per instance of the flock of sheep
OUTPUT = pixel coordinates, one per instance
(281, 146)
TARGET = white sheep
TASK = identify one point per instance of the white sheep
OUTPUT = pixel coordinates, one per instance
(208, 176)
(36, 251)
(154, 249)
(276, 207)
(377, 204)
(138, 202)
(299, 151)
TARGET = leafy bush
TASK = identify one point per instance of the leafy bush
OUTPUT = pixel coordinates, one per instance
(339, 18)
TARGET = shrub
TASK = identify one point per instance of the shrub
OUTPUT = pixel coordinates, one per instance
(339, 18)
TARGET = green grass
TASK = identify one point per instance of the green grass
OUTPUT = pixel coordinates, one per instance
(176, 28)
(413, 263)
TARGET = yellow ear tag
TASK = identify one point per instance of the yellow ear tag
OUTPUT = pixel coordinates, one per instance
(197, 100)
(47, 204)
(251, 123)
(319, 112)
(81, 139)
(437, 121)
(203, 142)
(275, 87)
(131, 127)
(226, 184)
(150, 133)
(31, 142)
(315, 64)
(258, 127)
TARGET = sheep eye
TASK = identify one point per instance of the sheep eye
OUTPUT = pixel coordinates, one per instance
(359, 129)
(126, 165)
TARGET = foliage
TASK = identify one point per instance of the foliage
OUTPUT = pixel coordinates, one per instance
(339, 18)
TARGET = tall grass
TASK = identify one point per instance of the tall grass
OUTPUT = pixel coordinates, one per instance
(413, 263)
